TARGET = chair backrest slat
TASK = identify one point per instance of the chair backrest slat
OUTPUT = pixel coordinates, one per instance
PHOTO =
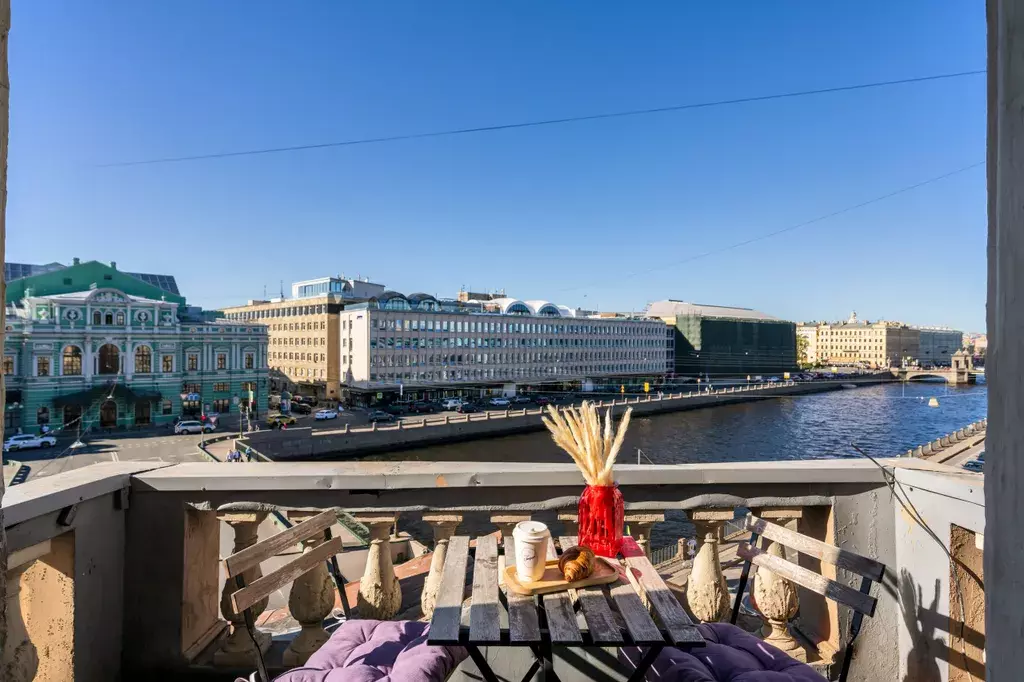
(272, 546)
(868, 568)
(265, 586)
(858, 601)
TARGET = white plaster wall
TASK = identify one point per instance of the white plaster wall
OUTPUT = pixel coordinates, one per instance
(941, 499)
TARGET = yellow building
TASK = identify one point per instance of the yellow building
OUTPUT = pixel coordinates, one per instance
(853, 342)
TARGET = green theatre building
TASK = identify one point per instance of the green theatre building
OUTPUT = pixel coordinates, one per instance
(89, 346)
(725, 341)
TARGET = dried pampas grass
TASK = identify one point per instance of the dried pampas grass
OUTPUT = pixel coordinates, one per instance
(591, 445)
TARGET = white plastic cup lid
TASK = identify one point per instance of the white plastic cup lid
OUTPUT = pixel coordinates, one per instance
(531, 531)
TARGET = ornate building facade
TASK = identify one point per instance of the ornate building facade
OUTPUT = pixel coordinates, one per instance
(89, 346)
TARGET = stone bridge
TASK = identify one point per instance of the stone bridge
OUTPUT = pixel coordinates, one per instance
(961, 371)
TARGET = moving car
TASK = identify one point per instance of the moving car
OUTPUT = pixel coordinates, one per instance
(192, 427)
(326, 414)
(468, 408)
(276, 420)
(520, 400)
(542, 400)
(499, 402)
(451, 403)
(28, 441)
(380, 416)
(301, 408)
(423, 407)
(975, 466)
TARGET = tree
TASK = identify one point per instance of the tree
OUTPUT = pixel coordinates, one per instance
(801, 350)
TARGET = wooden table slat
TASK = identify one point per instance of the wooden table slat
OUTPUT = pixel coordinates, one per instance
(680, 628)
(447, 618)
(485, 610)
(523, 619)
(562, 626)
(638, 621)
(596, 611)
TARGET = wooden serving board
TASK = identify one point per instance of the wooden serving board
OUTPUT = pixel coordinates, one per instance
(552, 580)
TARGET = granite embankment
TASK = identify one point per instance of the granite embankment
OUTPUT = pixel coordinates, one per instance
(304, 444)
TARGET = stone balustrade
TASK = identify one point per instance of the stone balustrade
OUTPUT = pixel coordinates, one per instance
(165, 576)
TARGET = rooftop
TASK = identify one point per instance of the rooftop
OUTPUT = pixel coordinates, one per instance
(672, 308)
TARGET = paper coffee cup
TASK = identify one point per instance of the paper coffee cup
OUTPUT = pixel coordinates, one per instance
(531, 539)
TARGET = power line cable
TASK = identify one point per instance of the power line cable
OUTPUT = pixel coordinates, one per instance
(775, 233)
(545, 122)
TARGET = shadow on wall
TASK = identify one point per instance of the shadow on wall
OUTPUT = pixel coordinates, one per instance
(927, 628)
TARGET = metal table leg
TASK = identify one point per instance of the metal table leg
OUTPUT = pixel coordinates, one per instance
(645, 663)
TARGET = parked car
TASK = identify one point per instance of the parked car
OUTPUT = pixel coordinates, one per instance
(192, 427)
(499, 402)
(28, 441)
(423, 407)
(397, 409)
(326, 414)
(380, 416)
(468, 408)
(301, 408)
(975, 466)
(276, 420)
(520, 400)
(451, 403)
(542, 400)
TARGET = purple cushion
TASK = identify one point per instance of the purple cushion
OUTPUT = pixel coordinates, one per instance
(378, 651)
(730, 654)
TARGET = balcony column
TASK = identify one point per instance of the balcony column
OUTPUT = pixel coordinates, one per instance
(19, 659)
(640, 525)
(706, 591)
(776, 600)
(444, 526)
(788, 517)
(237, 649)
(380, 596)
(310, 601)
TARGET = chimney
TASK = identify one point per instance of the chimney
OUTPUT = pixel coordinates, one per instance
(113, 265)
(75, 261)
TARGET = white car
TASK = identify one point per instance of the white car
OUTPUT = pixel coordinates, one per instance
(451, 404)
(499, 402)
(192, 427)
(326, 414)
(28, 441)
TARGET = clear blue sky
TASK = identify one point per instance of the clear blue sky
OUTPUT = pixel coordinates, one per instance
(562, 212)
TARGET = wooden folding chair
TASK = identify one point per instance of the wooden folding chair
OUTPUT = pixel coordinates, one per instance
(246, 595)
(862, 603)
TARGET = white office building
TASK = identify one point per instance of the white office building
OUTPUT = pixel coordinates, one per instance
(420, 341)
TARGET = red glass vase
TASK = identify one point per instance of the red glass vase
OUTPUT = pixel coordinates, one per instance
(601, 515)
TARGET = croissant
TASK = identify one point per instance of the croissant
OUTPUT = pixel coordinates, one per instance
(576, 563)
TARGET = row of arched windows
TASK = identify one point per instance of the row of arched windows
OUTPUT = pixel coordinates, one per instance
(99, 318)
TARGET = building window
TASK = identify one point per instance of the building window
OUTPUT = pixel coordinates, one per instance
(109, 319)
(120, 318)
(248, 385)
(72, 361)
(97, 318)
(193, 362)
(168, 363)
(190, 388)
(8, 365)
(222, 361)
(109, 359)
(222, 405)
(43, 367)
(43, 415)
(221, 386)
(166, 407)
(143, 360)
(250, 360)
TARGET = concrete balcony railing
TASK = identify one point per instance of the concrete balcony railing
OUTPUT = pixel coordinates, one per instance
(115, 569)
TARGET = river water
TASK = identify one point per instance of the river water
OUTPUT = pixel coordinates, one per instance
(885, 419)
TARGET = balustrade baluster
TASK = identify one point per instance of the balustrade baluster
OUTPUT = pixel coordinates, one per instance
(444, 526)
(707, 593)
(380, 596)
(237, 649)
(776, 600)
(310, 601)
(640, 525)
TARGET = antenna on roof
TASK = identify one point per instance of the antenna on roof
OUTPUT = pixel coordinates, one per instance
(264, 292)
(282, 288)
